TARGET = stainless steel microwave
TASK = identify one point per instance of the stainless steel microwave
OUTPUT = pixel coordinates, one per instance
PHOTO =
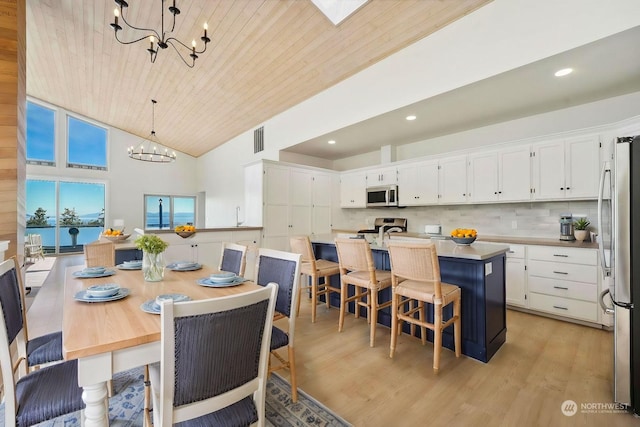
(386, 195)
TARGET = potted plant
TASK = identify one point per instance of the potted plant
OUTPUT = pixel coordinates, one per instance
(152, 259)
(580, 228)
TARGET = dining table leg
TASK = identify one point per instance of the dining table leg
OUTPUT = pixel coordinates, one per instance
(93, 374)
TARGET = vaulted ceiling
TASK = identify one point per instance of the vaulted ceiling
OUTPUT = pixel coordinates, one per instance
(265, 56)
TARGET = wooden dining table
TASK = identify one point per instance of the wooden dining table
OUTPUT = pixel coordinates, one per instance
(110, 337)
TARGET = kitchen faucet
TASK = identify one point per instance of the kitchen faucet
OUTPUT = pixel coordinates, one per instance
(238, 222)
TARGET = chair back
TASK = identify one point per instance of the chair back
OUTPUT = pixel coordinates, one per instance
(35, 240)
(355, 255)
(12, 322)
(282, 268)
(100, 254)
(302, 245)
(214, 353)
(233, 258)
(415, 261)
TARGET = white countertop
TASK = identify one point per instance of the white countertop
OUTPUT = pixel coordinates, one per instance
(445, 248)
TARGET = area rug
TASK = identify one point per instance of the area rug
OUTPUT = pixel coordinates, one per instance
(127, 404)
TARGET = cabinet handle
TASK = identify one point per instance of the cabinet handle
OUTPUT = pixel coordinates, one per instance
(561, 255)
(495, 192)
(560, 308)
(560, 272)
(511, 252)
(499, 192)
(568, 188)
(561, 287)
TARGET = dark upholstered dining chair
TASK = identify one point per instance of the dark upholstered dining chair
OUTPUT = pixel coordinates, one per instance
(282, 268)
(233, 258)
(214, 359)
(41, 395)
(40, 350)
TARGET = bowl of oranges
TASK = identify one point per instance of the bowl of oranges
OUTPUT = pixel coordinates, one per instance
(185, 231)
(115, 235)
(464, 236)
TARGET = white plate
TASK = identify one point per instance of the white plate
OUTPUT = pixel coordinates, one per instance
(175, 266)
(84, 297)
(211, 284)
(103, 290)
(83, 275)
(152, 307)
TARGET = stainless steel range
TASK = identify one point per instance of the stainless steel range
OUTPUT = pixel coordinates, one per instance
(390, 225)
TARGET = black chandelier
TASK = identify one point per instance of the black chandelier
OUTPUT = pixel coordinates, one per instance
(161, 39)
(150, 149)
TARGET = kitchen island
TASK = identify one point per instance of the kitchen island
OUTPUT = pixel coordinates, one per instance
(478, 269)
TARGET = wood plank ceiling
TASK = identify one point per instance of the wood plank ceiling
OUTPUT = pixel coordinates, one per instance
(265, 56)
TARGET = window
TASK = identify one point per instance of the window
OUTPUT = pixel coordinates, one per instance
(86, 145)
(66, 214)
(167, 212)
(40, 135)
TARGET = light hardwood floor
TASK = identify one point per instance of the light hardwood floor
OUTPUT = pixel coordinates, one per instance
(543, 363)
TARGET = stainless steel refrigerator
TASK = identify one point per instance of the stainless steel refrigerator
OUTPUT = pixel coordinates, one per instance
(619, 241)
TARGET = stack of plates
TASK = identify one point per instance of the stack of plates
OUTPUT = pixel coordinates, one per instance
(153, 306)
(102, 293)
(131, 265)
(184, 266)
(91, 272)
(221, 280)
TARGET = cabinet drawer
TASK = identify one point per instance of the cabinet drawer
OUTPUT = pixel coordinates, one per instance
(564, 288)
(568, 255)
(515, 251)
(564, 307)
(560, 271)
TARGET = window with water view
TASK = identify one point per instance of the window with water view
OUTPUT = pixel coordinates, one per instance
(167, 212)
(66, 214)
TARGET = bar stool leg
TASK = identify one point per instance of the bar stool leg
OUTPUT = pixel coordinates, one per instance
(343, 297)
(437, 336)
(394, 323)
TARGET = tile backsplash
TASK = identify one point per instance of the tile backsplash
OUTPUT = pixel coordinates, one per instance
(531, 219)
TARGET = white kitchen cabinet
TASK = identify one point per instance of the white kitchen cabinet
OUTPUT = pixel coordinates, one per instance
(500, 176)
(516, 279)
(418, 184)
(353, 190)
(563, 281)
(290, 196)
(321, 203)
(452, 180)
(566, 168)
(384, 176)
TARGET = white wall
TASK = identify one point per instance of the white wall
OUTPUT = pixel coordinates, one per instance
(126, 180)
(498, 37)
(600, 113)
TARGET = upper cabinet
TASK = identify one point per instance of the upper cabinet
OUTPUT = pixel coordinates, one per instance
(384, 176)
(353, 190)
(566, 168)
(452, 180)
(418, 184)
(500, 176)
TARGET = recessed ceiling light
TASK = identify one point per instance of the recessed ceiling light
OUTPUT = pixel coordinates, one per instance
(331, 141)
(411, 117)
(563, 72)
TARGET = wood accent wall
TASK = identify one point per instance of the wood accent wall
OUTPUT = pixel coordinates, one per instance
(13, 104)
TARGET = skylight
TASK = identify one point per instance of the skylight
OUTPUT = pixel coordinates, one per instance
(338, 10)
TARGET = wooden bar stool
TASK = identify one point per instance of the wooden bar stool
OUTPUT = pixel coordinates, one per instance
(357, 269)
(314, 269)
(418, 266)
